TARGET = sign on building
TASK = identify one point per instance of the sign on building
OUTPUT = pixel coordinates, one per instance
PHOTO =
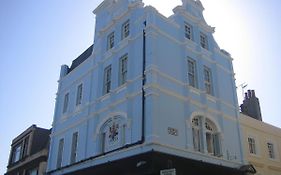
(168, 172)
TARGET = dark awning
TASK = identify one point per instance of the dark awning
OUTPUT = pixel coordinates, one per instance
(152, 163)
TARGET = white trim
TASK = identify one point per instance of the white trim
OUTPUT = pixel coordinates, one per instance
(108, 117)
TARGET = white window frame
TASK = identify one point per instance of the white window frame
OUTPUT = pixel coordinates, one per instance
(271, 150)
(208, 80)
(212, 139)
(79, 94)
(188, 31)
(252, 145)
(110, 41)
(204, 41)
(123, 69)
(196, 134)
(125, 29)
(192, 73)
(65, 103)
(107, 80)
(115, 125)
(210, 133)
(17, 152)
(60, 153)
(74, 147)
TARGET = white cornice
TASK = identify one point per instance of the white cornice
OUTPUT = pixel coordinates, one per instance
(201, 23)
(217, 50)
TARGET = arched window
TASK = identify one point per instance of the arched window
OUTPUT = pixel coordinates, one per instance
(112, 134)
(196, 132)
(212, 138)
(210, 133)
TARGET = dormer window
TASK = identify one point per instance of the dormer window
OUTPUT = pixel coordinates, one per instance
(110, 41)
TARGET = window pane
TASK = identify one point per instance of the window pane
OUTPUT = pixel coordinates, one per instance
(217, 145)
(65, 103)
(125, 29)
(110, 41)
(252, 145)
(33, 172)
(192, 76)
(270, 150)
(107, 80)
(196, 139)
(210, 146)
(79, 94)
(203, 41)
(17, 153)
(188, 31)
(60, 153)
(74, 147)
(123, 69)
(208, 80)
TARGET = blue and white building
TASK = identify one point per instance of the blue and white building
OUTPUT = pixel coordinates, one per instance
(152, 94)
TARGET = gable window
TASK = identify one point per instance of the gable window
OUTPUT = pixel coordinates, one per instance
(123, 69)
(208, 80)
(79, 94)
(110, 41)
(65, 103)
(107, 80)
(126, 29)
(252, 145)
(192, 76)
(270, 147)
(60, 153)
(188, 31)
(203, 41)
(73, 155)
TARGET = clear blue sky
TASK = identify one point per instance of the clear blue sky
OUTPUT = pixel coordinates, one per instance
(36, 37)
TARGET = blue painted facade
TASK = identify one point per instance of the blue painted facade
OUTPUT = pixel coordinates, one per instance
(108, 121)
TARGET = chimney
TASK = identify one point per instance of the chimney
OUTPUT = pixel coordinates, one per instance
(251, 105)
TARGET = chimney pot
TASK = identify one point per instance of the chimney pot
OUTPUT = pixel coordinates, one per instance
(253, 93)
(249, 94)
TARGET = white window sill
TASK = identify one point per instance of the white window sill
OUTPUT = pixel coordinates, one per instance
(194, 90)
(190, 43)
(254, 155)
(121, 88)
(104, 97)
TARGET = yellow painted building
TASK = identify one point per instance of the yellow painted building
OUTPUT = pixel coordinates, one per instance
(262, 145)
